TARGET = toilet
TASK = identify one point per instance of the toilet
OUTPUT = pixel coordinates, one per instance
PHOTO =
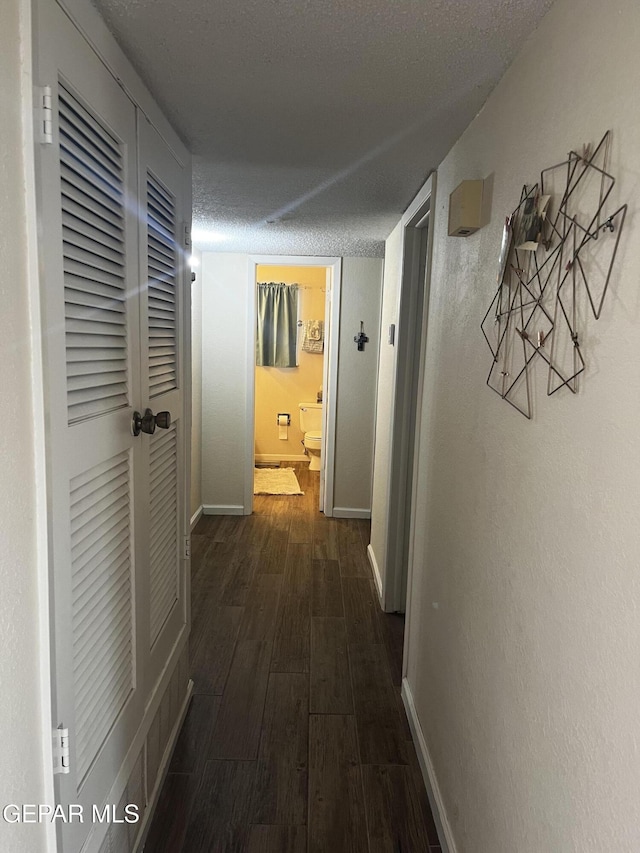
(311, 426)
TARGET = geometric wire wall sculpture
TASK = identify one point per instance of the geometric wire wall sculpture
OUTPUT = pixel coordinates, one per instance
(558, 251)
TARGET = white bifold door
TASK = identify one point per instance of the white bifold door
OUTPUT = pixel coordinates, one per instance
(113, 211)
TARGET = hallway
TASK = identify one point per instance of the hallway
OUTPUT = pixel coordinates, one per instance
(296, 738)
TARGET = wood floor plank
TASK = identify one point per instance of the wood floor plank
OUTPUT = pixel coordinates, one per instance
(355, 565)
(364, 526)
(361, 611)
(256, 531)
(336, 807)
(301, 529)
(326, 588)
(261, 609)
(293, 630)
(214, 634)
(213, 567)
(237, 730)
(208, 525)
(170, 821)
(281, 512)
(325, 538)
(242, 568)
(199, 545)
(394, 816)
(219, 818)
(230, 528)
(262, 505)
(195, 735)
(349, 538)
(330, 679)
(274, 553)
(377, 715)
(277, 839)
(280, 795)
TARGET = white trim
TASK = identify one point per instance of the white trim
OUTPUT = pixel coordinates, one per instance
(396, 521)
(447, 842)
(218, 509)
(330, 392)
(418, 429)
(350, 512)
(197, 515)
(327, 457)
(281, 457)
(163, 770)
(376, 571)
(44, 622)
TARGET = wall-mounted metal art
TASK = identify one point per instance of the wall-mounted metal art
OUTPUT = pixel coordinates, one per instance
(554, 266)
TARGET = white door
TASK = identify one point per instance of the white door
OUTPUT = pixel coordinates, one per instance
(112, 210)
(164, 314)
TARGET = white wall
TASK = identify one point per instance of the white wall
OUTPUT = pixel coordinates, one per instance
(357, 372)
(224, 372)
(386, 374)
(196, 386)
(526, 677)
(21, 744)
(224, 377)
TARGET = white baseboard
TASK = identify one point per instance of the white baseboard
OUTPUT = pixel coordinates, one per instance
(443, 826)
(281, 457)
(350, 512)
(197, 515)
(218, 509)
(376, 572)
(162, 772)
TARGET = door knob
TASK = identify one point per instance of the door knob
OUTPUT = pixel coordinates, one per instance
(148, 422)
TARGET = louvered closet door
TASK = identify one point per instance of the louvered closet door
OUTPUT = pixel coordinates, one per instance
(164, 314)
(89, 258)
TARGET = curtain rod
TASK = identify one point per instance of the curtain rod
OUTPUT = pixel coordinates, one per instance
(300, 286)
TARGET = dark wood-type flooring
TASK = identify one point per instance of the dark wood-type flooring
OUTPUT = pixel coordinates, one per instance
(296, 739)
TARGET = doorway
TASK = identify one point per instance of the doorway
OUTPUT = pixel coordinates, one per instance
(275, 392)
(411, 337)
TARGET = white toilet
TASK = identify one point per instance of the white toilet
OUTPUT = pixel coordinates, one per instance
(311, 426)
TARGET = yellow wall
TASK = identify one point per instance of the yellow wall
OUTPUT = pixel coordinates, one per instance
(281, 389)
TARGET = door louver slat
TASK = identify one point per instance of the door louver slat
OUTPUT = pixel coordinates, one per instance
(164, 557)
(162, 277)
(102, 620)
(93, 262)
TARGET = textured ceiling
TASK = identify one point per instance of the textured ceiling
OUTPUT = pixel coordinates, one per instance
(313, 123)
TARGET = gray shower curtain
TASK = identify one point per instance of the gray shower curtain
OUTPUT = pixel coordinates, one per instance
(277, 328)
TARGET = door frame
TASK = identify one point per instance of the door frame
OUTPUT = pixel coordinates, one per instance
(330, 369)
(411, 339)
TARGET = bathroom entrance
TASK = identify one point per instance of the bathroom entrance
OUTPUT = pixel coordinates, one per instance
(293, 342)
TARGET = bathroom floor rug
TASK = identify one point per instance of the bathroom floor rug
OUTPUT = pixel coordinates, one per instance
(275, 481)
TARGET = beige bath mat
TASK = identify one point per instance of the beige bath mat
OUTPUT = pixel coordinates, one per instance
(275, 481)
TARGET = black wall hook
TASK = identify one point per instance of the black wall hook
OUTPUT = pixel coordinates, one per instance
(361, 339)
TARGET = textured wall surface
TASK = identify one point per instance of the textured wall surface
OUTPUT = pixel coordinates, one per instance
(526, 676)
(224, 372)
(196, 386)
(386, 373)
(357, 371)
(20, 744)
(280, 389)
